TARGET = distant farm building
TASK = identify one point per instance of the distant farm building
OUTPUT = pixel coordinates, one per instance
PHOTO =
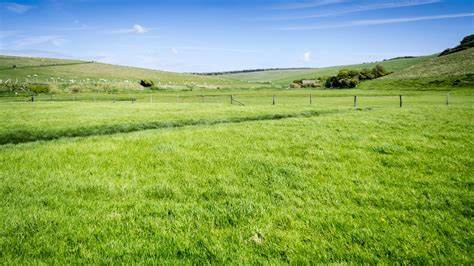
(308, 82)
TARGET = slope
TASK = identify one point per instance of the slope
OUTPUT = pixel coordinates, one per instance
(286, 77)
(452, 71)
(47, 70)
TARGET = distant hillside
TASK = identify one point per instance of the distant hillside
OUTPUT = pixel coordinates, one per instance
(48, 70)
(285, 77)
(247, 71)
(452, 71)
(455, 64)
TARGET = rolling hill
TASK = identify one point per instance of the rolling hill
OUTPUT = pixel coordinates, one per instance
(66, 71)
(425, 72)
(455, 64)
(286, 77)
(447, 72)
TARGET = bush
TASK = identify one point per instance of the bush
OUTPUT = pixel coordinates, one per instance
(147, 83)
(295, 85)
(38, 88)
(350, 78)
(379, 71)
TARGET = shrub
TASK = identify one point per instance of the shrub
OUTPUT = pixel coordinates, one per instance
(38, 88)
(366, 74)
(350, 78)
(295, 85)
(379, 71)
(147, 83)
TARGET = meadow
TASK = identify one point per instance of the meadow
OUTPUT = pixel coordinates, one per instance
(236, 169)
(193, 182)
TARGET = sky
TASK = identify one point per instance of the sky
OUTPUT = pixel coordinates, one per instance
(212, 35)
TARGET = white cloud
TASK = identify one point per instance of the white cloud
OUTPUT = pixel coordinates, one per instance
(174, 51)
(17, 8)
(376, 22)
(307, 57)
(139, 29)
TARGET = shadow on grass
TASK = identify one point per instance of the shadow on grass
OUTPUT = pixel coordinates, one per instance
(24, 136)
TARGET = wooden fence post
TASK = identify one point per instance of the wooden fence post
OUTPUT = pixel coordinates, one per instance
(51, 97)
(177, 98)
(355, 103)
(151, 98)
(274, 99)
(447, 100)
(232, 99)
(401, 101)
(310, 99)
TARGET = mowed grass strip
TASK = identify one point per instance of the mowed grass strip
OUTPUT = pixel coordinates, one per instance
(386, 186)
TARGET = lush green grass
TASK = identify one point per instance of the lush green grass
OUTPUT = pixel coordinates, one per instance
(374, 186)
(97, 76)
(186, 177)
(23, 121)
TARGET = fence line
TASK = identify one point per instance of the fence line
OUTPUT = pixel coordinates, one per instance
(240, 100)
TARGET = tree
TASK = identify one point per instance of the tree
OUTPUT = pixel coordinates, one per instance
(379, 71)
(147, 83)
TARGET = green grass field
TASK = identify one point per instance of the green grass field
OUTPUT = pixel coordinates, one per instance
(250, 173)
(212, 182)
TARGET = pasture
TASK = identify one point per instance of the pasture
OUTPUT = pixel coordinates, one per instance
(193, 181)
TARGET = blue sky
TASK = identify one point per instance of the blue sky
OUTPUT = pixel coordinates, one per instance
(211, 35)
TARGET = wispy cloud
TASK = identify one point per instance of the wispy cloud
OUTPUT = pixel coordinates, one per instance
(174, 51)
(137, 28)
(306, 4)
(38, 40)
(307, 57)
(17, 8)
(369, 22)
(358, 8)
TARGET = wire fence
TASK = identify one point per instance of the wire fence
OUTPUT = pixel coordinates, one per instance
(252, 99)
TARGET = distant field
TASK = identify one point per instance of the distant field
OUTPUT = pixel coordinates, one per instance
(80, 73)
(286, 77)
(289, 183)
